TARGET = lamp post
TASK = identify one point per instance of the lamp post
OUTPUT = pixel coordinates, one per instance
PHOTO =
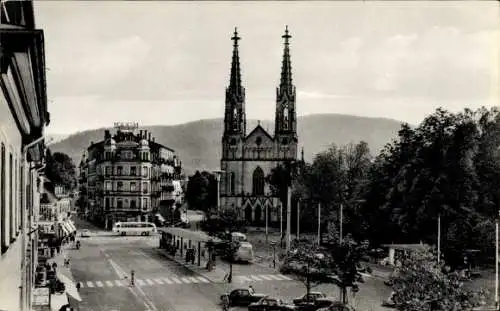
(298, 220)
(218, 174)
(496, 261)
(319, 223)
(24, 281)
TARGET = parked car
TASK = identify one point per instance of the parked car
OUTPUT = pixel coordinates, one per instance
(85, 233)
(338, 306)
(312, 297)
(242, 297)
(271, 304)
(317, 304)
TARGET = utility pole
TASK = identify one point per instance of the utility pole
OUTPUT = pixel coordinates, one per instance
(341, 220)
(319, 223)
(439, 239)
(298, 220)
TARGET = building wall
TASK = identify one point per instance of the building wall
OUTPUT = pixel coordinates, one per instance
(10, 209)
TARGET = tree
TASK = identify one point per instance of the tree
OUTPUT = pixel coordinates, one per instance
(422, 285)
(201, 191)
(59, 169)
(308, 263)
(345, 262)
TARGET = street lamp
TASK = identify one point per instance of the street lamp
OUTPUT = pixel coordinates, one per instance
(218, 174)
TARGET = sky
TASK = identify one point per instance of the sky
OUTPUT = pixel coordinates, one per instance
(161, 62)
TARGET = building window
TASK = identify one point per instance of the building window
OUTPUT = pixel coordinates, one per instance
(133, 170)
(258, 181)
(119, 170)
(145, 171)
(145, 187)
(133, 187)
(133, 204)
(11, 198)
(232, 182)
(106, 203)
(144, 203)
(285, 118)
(120, 186)
(108, 170)
(109, 186)
(3, 207)
(119, 203)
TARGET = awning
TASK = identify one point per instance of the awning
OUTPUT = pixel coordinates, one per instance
(64, 228)
(71, 224)
(68, 227)
(70, 286)
(57, 301)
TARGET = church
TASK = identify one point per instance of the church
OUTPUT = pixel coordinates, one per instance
(247, 159)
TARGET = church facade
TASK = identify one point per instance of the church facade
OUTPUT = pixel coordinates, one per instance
(247, 159)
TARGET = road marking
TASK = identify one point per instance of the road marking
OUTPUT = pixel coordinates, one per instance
(194, 280)
(140, 282)
(167, 281)
(255, 278)
(203, 279)
(244, 278)
(176, 280)
(265, 277)
(89, 284)
(99, 284)
(118, 283)
(159, 281)
(275, 277)
(186, 280)
(109, 284)
(150, 282)
(285, 277)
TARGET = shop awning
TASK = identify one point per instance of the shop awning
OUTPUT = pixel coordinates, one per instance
(70, 286)
(72, 226)
(65, 229)
(68, 227)
(57, 301)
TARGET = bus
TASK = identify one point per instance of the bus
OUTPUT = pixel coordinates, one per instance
(134, 228)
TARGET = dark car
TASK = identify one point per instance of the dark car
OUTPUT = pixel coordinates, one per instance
(337, 306)
(312, 297)
(271, 304)
(242, 297)
(318, 304)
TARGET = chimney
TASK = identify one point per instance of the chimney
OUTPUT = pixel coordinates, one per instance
(140, 134)
(149, 137)
(145, 134)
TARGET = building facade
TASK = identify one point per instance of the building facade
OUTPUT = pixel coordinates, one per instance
(23, 117)
(127, 176)
(248, 158)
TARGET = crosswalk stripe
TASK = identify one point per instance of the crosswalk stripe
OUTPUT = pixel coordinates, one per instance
(90, 284)
(150, 282)
(99, 284)
(265, 277)
(176, 280)
(186, 280)
(285, 277)
(109, 284)
(118, 283)
(194, 280)
(167, 281)
(159, 281)
(275, 277)
(244, 278)
(256, 278)
(141, 282)
(203, 279)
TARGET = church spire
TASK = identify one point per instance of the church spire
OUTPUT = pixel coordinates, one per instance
(286, 65)
(235, 80)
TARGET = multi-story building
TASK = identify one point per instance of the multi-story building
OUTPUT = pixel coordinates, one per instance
(23, 117)
(127, 176)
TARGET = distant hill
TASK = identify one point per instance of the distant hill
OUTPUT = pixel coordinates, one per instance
(198, 143)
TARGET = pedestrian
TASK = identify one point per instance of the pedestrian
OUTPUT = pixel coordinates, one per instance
(251, 290)
(78, 286)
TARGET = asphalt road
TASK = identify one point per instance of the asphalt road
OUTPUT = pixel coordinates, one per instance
(104, 262)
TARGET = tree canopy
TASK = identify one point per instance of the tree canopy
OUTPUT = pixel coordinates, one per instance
(60, 170)
(201, 192)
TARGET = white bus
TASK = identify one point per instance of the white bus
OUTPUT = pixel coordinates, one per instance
(134, 228)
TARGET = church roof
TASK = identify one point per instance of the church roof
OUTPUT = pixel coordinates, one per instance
(261, 129)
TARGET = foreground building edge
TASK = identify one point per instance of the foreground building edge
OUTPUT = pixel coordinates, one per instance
(23, 117)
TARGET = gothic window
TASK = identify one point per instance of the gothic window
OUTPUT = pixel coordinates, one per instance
(235, 118)
(258, 181)
(232, 182)
(285, 118)
(233, 142)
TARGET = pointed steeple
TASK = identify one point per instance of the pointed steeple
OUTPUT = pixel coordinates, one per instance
(235, 80)
(286, 65)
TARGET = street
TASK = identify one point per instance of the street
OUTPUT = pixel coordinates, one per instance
(104, 263)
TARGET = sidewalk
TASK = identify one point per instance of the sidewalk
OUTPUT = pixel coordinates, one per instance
(216, 275)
